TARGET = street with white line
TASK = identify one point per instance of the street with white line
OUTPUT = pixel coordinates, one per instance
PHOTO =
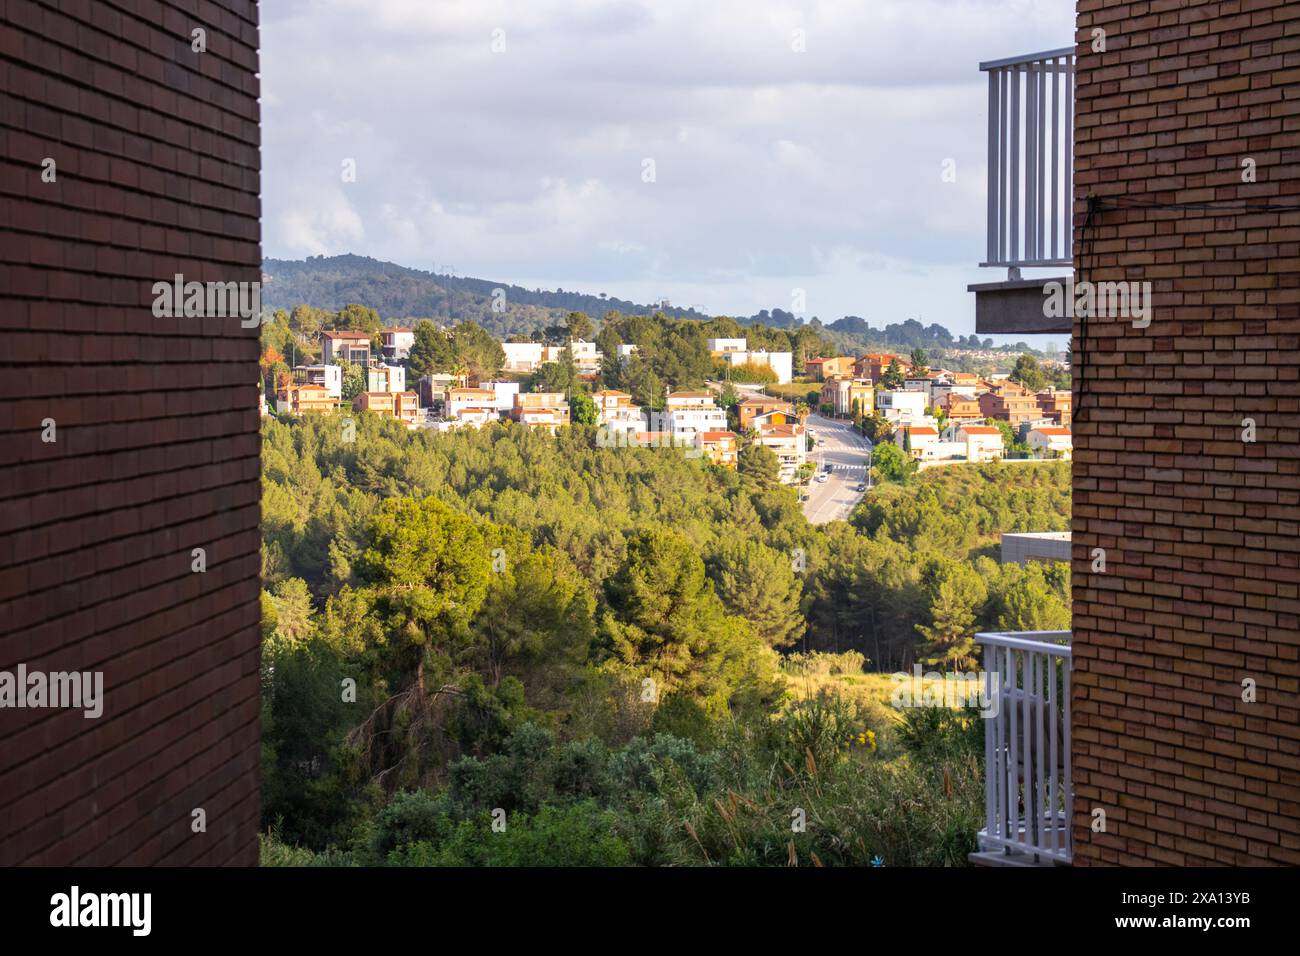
(846, 452)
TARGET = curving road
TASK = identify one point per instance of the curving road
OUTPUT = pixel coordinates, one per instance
(846, 451)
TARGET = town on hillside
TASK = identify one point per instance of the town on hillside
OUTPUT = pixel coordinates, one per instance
(754, 397)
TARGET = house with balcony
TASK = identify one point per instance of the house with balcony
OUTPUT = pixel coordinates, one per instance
(872, 365)
(616, 412)
(548, 410)
(959, 408)
(848, 396)
(901, 408)
(329, 377)
(476, 400)
(759, 405)
(343, 345)
(397, 342)
(688, 412)
(1009, 402)
(1057, 405)
(790, 444)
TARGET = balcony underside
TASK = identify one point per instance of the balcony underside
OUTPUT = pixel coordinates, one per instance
(1016, 307)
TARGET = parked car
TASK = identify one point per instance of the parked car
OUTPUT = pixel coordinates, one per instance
(823, 476)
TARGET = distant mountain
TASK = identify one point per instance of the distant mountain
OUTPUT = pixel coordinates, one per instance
(397, 292)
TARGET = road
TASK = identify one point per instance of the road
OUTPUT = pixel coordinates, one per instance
(846, 451)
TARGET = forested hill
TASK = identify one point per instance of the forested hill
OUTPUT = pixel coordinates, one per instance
(397, 292)
(403, 296)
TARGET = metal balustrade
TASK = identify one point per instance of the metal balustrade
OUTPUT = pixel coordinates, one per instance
(1031, 160)
(1028, 788)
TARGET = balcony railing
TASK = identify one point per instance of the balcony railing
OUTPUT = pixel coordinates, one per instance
(1028, 788)
(1031, 160)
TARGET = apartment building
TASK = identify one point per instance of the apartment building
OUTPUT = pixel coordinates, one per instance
(689, 412)
(1180, 715)
(1009, 402)
(790, 444)
(1057, 405)
(959, 408)
(344, 346)
(397, 341)
(758, 405)
(848, 396)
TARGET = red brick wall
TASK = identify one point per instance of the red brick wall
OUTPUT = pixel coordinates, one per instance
(1199, 528)
(157, 159)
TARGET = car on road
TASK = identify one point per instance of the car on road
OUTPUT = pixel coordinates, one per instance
(830, 467)
(823, 476)
(862, 486)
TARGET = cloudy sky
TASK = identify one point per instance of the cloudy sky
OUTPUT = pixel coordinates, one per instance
(718, 153)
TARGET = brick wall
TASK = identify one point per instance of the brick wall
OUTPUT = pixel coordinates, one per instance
(1199, 528)
(156, 450)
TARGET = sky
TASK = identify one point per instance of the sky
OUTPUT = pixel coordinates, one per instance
(731, 155)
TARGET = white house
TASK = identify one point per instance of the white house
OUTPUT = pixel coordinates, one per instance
(522, 356)
(616, 413)
(728, 345)
(503, 395)
(328, 376)
(1047, 440)
(688, 412)
(397, 341)
(901, 407)
(782, 363)
(471, 404)
(983, 442)
(790, 445)
(386, 378)
(923, 438)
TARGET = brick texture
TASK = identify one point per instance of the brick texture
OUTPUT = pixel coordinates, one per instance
(157, 166)
(1198, 526)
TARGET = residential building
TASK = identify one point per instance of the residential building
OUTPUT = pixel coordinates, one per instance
(790, 444)
(386, 378)
(873, 365)
(329, 377)
(960, 409)
(718, 447)
(585, 355)
(433, 388)
(848, 396)
(503, 395)
(983, 442)
(821, 369)
(1051, 442)
(1057, 404)
(900, 406)
(757, 405)
(397, 341)
(615, 411)
(547, 410)
(919, 438)
(382, 403)
(342, 345)
(728, 345)
(295, 399)
(1009, 402)
(522, 356)
(625, 351)
(470, 400)
(406, 408)
(689, 412)
(781, 363)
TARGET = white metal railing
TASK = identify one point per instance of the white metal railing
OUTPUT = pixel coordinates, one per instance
(1028, 787)
(1031, 160)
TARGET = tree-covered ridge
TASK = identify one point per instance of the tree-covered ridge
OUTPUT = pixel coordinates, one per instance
(526, 620)
(400, 295)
